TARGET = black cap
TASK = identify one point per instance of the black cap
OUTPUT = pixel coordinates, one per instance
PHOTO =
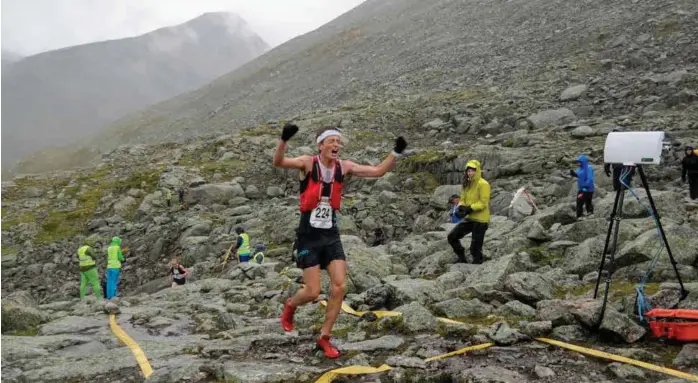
(239, 230)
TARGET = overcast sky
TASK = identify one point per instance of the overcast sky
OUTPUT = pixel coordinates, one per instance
(33, 26)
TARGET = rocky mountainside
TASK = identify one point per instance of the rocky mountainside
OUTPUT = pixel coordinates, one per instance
(540, 262)
(58, 97)
(537, 279)
(9, 58)
(382, 52)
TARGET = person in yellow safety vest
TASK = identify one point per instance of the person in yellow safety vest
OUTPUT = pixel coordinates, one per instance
(169, 197)
(114, 259)
(258, 254)
(242, 247)
(88, 271)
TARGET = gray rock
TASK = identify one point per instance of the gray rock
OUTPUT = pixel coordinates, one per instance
(537, 329)
(111, 308)
(451, 279)
(459, 308)
(582, 132)
(538, 233)
(439, 198)
(264, 371)
(573, 93)
(688, 356)
(404, 291)
(387, 196)
(529, 287)
(386, 342)
(491, 374)
(214, 193)
(275, 191)
(543, 372)
(491, 274)
(551, 117)
(502, 334)
(72, 325)
(252, 192)
(406, 361)
(416, 317)
(20, 312)
(627, 372)
(587, 313)
(569, 333)
(516, 308)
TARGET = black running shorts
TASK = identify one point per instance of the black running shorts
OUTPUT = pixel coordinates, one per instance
(318, 250)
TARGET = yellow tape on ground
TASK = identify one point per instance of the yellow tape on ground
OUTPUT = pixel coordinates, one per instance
(329, 376)
(622, 359)
(459, 352)
(380, 314)
(135, 349)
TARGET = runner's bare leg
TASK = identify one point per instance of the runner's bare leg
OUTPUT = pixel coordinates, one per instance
(311, 290)
(337, 270)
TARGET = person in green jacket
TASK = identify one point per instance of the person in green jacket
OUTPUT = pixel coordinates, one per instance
(114, 259)
(88, 270)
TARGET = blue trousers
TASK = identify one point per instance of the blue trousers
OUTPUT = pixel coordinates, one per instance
(112, 282)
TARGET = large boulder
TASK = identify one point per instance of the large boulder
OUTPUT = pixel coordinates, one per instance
(214, 193)
(404, 291)
(683, 242)
(439, 199)
(529, 287)
(492, 274)
(20, 313)
(366, 266)
(551, 118)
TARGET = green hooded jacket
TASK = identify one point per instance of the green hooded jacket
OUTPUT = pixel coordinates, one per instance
(114, 255)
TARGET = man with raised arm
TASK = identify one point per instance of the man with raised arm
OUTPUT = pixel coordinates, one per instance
(319, 244)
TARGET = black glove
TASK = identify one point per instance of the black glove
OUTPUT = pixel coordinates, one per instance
(400, 145)
(572, 173)
(289, 131)
(463, 211)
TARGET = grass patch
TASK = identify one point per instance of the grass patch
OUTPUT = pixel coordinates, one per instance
(425, 181)
(544, 257)
(9, 251)
(31, 331)
(668, 28)
(619, 289)
(257, 131)
(11, 221)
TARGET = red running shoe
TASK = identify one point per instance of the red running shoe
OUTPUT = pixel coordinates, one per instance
(287, 316)
(327, 347)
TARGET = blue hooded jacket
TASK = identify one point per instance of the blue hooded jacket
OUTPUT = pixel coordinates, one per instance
(585, 175)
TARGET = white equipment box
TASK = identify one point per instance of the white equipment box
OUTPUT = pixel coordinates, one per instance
(633, 148)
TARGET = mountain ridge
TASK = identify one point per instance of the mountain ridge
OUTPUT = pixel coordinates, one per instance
(59, 96)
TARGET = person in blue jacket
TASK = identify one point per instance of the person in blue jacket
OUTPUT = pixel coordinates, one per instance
(585, 185)
(453, 202)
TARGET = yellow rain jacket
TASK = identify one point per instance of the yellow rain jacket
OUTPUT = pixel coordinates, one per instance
(477, 195)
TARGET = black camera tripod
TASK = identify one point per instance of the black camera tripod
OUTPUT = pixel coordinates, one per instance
(616, 216)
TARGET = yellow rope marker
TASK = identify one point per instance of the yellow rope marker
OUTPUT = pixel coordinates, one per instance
(135, 349)
(380, 314)
(459, 352)
(622, 359)
(329, 376)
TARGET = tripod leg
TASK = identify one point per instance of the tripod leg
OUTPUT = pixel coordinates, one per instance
(645, 185)
(608, 237)
(612, 257)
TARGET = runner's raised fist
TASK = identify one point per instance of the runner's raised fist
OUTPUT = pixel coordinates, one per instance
(400, 145)
(289, 131)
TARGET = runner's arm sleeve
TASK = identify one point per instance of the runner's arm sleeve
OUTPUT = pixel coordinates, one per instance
(484, 200)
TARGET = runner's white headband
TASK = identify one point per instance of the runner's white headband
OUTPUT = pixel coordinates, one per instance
(328, 133)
